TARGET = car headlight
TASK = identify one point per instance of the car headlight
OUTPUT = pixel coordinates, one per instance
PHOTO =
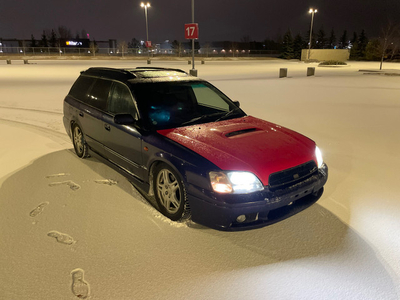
(235, 182)
(318, 155)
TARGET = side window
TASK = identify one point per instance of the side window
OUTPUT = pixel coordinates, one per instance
(81, 88)
(120, 100)
(207, 97)
(99, 94)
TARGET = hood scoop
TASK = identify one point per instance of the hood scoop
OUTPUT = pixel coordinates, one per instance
(238, 132)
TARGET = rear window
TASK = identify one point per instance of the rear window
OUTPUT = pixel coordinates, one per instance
(80, 89)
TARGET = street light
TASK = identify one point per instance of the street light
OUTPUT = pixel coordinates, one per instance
(147, 26)
(312, 12)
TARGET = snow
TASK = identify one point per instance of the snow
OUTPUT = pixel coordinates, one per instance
(76, 229)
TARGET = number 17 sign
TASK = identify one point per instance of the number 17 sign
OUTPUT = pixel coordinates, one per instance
(192, 31)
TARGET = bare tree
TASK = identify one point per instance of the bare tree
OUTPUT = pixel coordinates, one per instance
(389, 36)
(93, 47)
(64, 32)
(177, 47)
(123, 47)
(234, 47)
(207, 48)
(246, 40)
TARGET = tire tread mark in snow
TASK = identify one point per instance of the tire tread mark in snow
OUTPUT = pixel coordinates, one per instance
(31, 109)
(48, 130)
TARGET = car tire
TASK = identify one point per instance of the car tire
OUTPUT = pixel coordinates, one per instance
(170, 193)
(78, 139)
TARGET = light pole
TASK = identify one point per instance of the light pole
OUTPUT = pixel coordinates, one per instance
(193, 71)
(147, 28)
(312, 12)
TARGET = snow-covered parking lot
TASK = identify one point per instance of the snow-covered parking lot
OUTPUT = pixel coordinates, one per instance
(72, 228)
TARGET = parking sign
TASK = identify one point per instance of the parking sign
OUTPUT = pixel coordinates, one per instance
(192, 31)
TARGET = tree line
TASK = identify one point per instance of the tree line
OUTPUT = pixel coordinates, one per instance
(51, 38)
(386, 46)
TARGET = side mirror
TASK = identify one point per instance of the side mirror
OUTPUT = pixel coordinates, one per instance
(237, 103)
(124, 119)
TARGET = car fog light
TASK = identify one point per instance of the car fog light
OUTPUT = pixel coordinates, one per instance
(241, 219)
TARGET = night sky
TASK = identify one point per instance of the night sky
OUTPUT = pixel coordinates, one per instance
(218, 20)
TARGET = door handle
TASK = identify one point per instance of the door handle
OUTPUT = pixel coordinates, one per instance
(81, 114)
(107, 127)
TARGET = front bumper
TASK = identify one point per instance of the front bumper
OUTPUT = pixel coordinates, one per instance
(260, 209)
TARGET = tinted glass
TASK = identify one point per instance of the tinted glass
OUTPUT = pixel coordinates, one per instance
(81, 87)
(120, 100)
(99, 94)
(175, 104)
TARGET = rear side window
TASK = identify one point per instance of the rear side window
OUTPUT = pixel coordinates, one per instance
(120, 101)
(99, 94)
(80, 89)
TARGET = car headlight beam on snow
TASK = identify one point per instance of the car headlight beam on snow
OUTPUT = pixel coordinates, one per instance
(235, 182)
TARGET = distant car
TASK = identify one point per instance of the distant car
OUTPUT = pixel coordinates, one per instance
(190, 150)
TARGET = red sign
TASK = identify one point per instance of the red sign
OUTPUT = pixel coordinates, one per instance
(148, 44)
(192, 31)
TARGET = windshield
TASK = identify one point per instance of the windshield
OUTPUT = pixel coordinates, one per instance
(165, 105)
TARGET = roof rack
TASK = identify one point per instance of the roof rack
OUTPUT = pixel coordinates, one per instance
(105, 72)
(156, 68)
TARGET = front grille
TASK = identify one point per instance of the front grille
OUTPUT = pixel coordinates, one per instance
(292, 176)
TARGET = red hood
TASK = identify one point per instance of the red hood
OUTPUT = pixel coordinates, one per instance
(246, 144)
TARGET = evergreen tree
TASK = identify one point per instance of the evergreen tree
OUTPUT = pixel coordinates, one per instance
(53, 39)
(354, 51)
(44, 40)
(344, 40)
(298, 45)
(354, 47)
(362, 43)
(287, 46)
(332, 39)
(321, 39)
(134, 43)
(355, 38)
(33, 41)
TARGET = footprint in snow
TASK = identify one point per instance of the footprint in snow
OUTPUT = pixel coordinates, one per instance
(61, 237)
(38, 210)
(107, 181)
(57, 175)
(80, 288)
(73, 186)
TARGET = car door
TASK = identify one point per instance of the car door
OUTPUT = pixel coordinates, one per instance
(123, 142)
(90, 115)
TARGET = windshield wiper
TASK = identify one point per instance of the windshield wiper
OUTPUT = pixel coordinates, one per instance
(228, 114)
(203, 117)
